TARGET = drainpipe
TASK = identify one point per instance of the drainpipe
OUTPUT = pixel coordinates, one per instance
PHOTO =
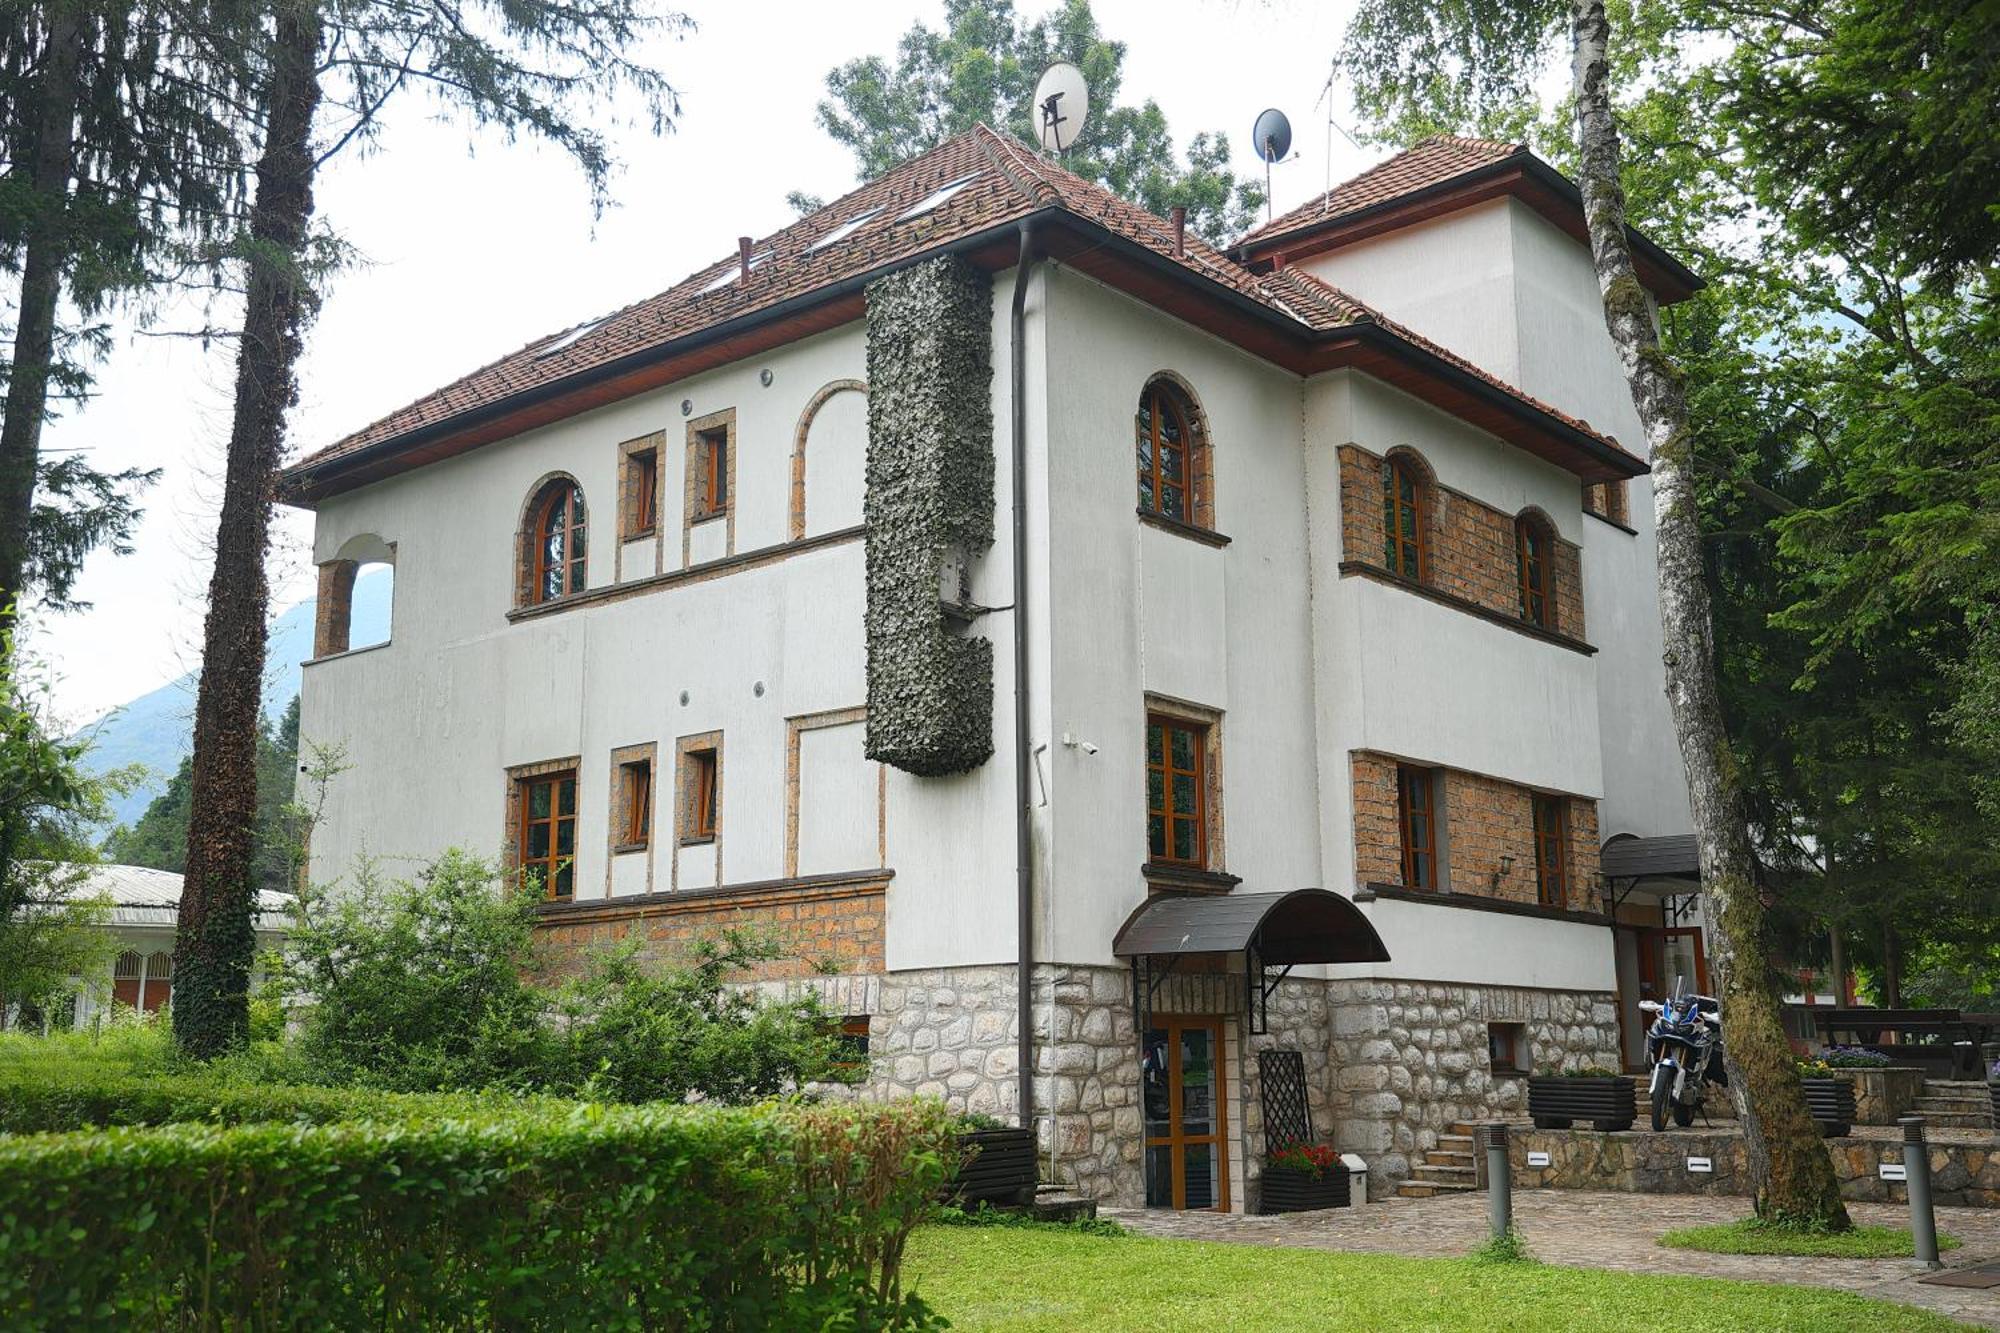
(1024, 880)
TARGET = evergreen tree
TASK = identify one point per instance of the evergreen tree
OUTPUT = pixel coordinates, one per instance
(983, 67)
(328, 72)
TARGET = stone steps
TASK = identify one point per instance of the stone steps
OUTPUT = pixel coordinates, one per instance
(1447, 1157)
(1449, 1168)
(1956, 1120)
(1425, 1189)
(1951, 1105)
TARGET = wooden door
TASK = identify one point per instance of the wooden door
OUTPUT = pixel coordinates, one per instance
(1183, 1096)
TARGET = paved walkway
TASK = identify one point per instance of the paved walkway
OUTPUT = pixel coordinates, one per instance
(1597, 1229)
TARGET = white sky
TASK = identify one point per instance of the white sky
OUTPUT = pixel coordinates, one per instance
(475, 247)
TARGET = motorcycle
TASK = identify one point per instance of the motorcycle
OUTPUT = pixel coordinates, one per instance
(1684, 1046)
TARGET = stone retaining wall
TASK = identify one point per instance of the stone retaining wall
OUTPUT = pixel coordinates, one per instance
(1961, 1173)
(1410, 1059)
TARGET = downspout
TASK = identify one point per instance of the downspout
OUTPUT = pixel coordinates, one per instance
(1024, 880)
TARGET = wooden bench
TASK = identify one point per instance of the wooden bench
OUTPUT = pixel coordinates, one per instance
(1943, 1042)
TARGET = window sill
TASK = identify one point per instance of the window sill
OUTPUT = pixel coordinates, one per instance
(1508, 1073)
(1477, 903)
(1165, 878)
(1362, 569)
(625, 847)
(696, 520)
(347, 652)
(698, 840)
(1607, 519)
(1205, 536)
(638, 534)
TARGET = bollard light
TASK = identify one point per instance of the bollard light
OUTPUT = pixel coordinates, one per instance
(1499, 1178)
(1917, 1175)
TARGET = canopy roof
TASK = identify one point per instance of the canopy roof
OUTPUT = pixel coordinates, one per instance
(1302, 926)
(1628, 856)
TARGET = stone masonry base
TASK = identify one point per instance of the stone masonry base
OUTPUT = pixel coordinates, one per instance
(1389, 1064)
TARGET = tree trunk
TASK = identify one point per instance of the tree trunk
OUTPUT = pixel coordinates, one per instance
(216, 939)
(1788, 1161)
(1892, 965)
(52, 164)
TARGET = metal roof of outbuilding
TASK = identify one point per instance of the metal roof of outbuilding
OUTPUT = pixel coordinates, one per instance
(1299, 926)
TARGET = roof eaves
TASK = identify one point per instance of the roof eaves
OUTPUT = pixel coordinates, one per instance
(298, 479)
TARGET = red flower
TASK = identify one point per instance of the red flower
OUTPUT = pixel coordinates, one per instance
(1312, 1159)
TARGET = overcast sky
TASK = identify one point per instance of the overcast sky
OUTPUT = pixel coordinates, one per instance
(474, 247)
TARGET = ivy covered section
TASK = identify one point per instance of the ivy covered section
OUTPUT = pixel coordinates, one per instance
(929, 508)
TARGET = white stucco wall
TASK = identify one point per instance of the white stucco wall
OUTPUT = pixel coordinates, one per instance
(431, 721)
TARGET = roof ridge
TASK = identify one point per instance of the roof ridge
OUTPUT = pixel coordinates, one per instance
(1006, 156)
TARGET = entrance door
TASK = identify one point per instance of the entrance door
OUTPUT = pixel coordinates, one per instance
(1187, 1157)
(1670, 953)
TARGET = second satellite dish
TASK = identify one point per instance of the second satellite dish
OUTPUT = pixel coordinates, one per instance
(1061, 104)
(1272, 135)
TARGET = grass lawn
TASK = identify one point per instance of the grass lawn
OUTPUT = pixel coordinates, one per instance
(1753, 1237)
(1016, 1278)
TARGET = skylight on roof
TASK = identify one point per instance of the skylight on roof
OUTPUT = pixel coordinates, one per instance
(573, 336)
(936, 198)
(844, 230)
(732, 273)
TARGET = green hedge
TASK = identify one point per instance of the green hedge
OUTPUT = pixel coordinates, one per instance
(40, 1097)
(625, 1217)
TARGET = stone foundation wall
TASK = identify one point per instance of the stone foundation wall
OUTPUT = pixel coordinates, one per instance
(1410, 1058)
(1388, 1065)
(1961, 1173)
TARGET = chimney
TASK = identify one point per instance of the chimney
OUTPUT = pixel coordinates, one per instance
(1180, 231)
(743, 244)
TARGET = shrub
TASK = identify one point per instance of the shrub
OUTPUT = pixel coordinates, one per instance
(1852, 1057)
(639, 1217)
(418, 986)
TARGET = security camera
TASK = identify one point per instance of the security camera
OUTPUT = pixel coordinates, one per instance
(1072, 743)
(1086, 747)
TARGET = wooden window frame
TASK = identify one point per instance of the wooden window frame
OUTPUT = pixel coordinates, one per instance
(712, 491)
(1196, 483)
(1534, 565)
(551, 865)
(1200, 731)
(1551, 833)
(643, 490)
(1411, 778)
(701, 794)
(1396, 549)
(635, 804)
(1504, 1048)
(565, 494)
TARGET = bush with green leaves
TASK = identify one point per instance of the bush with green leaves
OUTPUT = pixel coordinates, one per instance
(624, 1217)
(435, 985)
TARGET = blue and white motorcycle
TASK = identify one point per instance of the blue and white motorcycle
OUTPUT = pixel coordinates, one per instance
(1684, 1046)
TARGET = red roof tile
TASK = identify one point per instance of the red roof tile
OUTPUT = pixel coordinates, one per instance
(1435, 160)
(999, 181)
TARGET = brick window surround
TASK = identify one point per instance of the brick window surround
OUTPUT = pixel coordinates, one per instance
(541, 818)
(1176, 466)
(639, 485)
(1608, 500)
(1204, 725)
(1469, 549)
(795, 729)
(698, 784)
(556, 499)
(634, 775)
(1485, 835)
(697, 503)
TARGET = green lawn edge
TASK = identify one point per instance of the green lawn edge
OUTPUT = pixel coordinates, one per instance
(1750, 1236)
(1016, 1279)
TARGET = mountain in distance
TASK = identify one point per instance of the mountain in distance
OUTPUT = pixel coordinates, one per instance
(157, 729)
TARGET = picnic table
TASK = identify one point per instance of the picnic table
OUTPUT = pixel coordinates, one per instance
(1945, 1041)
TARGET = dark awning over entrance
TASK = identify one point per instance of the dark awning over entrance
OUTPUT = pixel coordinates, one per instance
(1281, 929)
(1672, 857)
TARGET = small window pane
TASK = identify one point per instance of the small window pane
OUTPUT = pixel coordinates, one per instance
(1156, 835)
(1156, 790)
(1155, 743)
(1173, 502)
(568, 796)
(1186, 801)
(1146, 492)
(1183, 748)
(538, 842)
(1170, 463)
(565, 879)
(1170, 426)
(1183, 840)
(539, 795)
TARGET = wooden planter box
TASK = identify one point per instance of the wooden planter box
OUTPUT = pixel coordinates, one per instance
(1291, 1191)
(1609, 1104)
(1831, 1101)
(999, 1168)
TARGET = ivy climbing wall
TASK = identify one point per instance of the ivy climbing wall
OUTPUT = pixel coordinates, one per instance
(929, 511)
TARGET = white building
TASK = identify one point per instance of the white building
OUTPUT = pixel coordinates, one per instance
(707, 612)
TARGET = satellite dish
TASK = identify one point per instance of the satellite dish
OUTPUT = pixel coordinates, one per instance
(1272, 135)
(1062, 102)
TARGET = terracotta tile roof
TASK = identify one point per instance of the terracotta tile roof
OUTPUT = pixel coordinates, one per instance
(974, 182)
(1436, 159)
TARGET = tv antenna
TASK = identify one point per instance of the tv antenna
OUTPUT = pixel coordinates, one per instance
(1062, 104)
(1272, 135)
(1326, 96)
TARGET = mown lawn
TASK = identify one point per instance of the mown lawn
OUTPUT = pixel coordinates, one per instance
(1016, 1278)
(1753, 1237)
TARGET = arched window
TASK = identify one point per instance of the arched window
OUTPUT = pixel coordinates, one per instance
(1534, 552)
(558, 543)
(1173, 456)
(1405, 516)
